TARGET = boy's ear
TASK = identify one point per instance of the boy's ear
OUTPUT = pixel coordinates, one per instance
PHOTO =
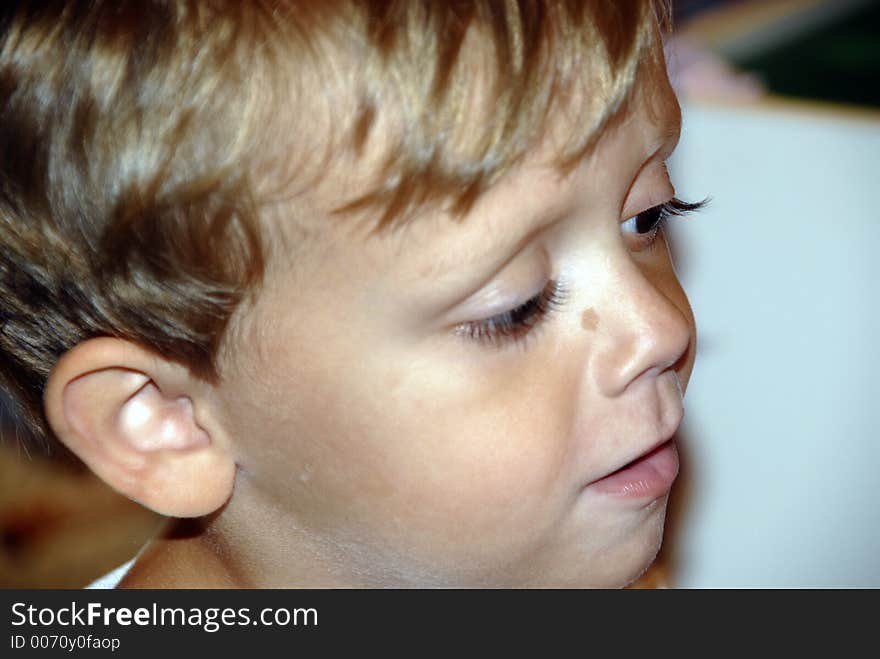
(143, 424)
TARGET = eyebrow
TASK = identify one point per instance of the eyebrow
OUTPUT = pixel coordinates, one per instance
(669, 127)
(668, 135)
(666, 118)
(533, 223)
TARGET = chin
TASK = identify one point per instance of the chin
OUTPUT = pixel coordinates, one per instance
(627, 560)
(626, 553)
(645, 548)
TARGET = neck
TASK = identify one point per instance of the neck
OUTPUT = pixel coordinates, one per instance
(240, 548)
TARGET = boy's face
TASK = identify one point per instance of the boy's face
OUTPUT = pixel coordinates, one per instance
(384, 437)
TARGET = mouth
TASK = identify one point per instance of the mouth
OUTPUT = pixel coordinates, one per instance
(648, 476)
(650, 473)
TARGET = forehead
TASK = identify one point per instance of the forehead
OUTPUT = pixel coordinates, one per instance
(435, 243)
(536, 193)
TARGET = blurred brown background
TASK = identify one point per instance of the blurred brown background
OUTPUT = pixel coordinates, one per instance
(60, 527)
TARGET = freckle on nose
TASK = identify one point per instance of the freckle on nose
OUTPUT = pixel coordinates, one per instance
(589, 319)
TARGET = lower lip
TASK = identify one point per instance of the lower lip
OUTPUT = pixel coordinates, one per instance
(649, 477)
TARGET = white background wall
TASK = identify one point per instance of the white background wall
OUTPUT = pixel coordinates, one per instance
(781, 442)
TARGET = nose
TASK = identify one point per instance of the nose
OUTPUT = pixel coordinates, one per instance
(649, 332)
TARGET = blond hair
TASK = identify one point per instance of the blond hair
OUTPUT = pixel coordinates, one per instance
(137, 137)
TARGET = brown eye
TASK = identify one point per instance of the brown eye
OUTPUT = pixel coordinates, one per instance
(649, 220)
(648, 223)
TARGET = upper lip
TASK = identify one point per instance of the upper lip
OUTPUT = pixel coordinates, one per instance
(648, 449)
(641, 455)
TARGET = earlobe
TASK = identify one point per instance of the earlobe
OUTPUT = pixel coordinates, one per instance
(142, 424)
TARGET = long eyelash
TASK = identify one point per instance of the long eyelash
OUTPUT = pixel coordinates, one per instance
(673, 208)
(516, 323)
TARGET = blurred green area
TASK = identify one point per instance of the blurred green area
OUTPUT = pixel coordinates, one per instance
(839, 61)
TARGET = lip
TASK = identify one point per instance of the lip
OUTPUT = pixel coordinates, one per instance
(649, 476)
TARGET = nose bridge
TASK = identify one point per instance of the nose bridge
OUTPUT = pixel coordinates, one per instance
(648, 332)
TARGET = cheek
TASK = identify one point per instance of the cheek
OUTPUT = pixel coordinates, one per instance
(501, 442)
(474, 448)
(483, 468)
(428, 454)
